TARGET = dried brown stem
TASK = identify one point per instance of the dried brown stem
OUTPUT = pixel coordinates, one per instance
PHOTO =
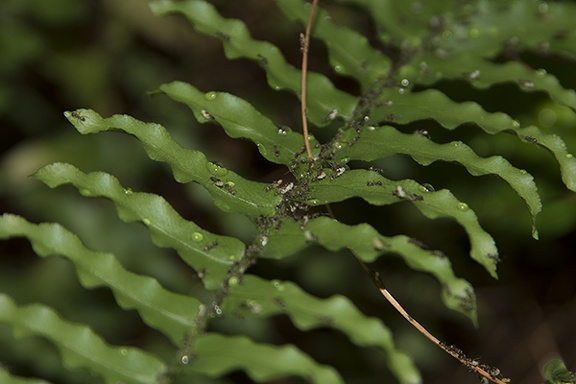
(490, 373)
(304, 44)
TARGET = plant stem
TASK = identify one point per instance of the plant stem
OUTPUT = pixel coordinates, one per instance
(304, 44)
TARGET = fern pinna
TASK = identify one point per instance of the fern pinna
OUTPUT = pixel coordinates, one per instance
(400, 72)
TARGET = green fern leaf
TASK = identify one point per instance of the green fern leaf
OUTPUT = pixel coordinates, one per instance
(485, 29)
(409, 107)
(80, 346)
(425, 152)
(378, 190)
(255, 295)
(484, 74)
(323, 97)
(350, 52)
(557, 147)
(240, 119)
(406, 107)
(166, 227)
(367, 244)
(556, 372)
(217, 354)
(171, 313)
(246, 197)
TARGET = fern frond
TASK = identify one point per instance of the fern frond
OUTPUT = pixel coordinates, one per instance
(171, 313)
(423, 150)
(263, 298)
(324, 97)
(79, 346)
(216, 354)
(350, 53)
(378, 190)
(484, 74)
(368, 244)
(166, 227)
(240, 120)
(408, 107)
(187, 164)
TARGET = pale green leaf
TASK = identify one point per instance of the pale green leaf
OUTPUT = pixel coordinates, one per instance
(167, 228)
(323, 97)
(239, 119)
(483, 74)
(217, 354)
(241, 196)
(349, 52)
(407, 107)
(556, 372)
(368, 147)
(80, 347)
(255, 295)
(378, 190)
(170, 313)
(367, 244)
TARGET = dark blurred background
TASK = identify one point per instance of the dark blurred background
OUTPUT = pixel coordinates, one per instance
(106, 55)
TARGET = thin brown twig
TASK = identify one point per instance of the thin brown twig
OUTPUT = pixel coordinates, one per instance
(304, 44)
(490, 373)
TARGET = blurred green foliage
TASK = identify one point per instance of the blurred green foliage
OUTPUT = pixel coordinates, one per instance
(63, 54)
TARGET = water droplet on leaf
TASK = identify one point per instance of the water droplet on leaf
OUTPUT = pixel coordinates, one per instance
(541, 72)
(217, 169)
(426, 188)
(128, 191)
(210, 96)
(463, 207)
(217, 309)
(405, 82)
(197, 237)
(278, 285)
(254, 306)
(185, 359)
(547, 118)
(262, 149)
(543, 7)
(474, 33)
(423, 67)
(526, 84)
(473, 75)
